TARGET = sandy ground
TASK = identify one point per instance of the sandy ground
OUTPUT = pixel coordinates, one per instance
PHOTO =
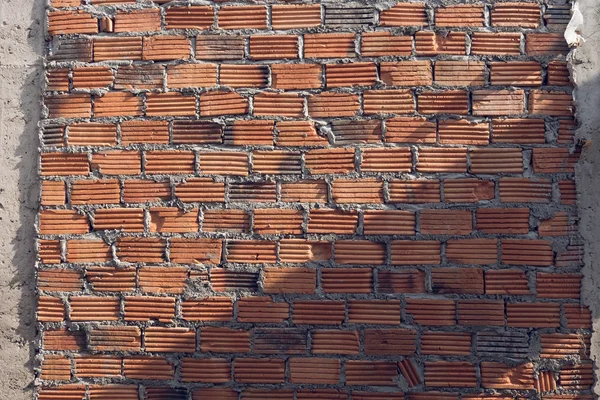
(21, 49)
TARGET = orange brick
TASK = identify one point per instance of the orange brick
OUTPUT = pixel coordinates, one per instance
(448, 102)
(169, 162)
(315, 370)
(539, 44)
(410, 130)
(442, 160)
(54, 193)
(92, 134)
(77, 105)
(251, 251)
(432, 44)
(163, 280)
(92, 308)
(273, 47)
(525, 15)
(460, 73)
(414, 191)
(209, 309)
(221, 102)
(191, 17)
(279, 104)
(57, 222)
(554, 160)
(353, 74)
(404, 14)
(450, 374)
(118, 104)
(296, 76)
(498, 102)
(381, 44)
(71, 22)
(243, 76)
(330, 104)
(498, 43)
(277, 220)
(262, 310)
(243, 17)
(290, 280)
(146, 20)
(421, 252)
(368, 191)
(551, 103)
(347, 280)
(88, 250)
(468, 190)
(118, 48)
(406, 73)
(459, 15)
(219, 47)
(254, 192)
(329, 45)
(295, 16)
(446, 222)
(330, 161)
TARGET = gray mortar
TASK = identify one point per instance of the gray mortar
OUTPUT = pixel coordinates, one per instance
(21, 50)
(585, 65)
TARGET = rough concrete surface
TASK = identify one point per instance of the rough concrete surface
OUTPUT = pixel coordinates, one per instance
(586, 73)
(21, 79)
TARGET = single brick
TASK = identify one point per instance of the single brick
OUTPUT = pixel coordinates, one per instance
(76, 105)
(314, 370)
(414, 191)
(381, 44)
(54, 193)
(123, 219)
(217, 103)
(366, 191)
(253, 192)
(273, 47)
(262, 310)
(402, 281)
(118, 48)
(329, 45)
(206, 370)
(236, 163)
(118, 104)
(243, 76)
(533, 315)
(146, 20)
(460, 73)
(540, 44)
(321, 312)
(497, 43)
(446, 343)
(228, 220)
(88, 250)
(496, 160)
(71, 22)
(330, 161)
(568, 191)
(242, 17)
(92, 308)
(290, 280)
(163, 280)
(162, 48)
(377, 312)
(347, 280)
(404, 14)
(301, 250)
(210, 309)
(559, 104)
(506, 281)
(554, 160)
(115, 338)
(406, 73)
(432, 312)
(191, 75)
(330, 104)
(306, 191)
(432, 44)
(57, 222)
(279, 104)
(295, 16)
(353, 74)
(442, 160)
(92, 77)
(141, 191)
(105, 191)
(457, 280)
(390, 341)
(518, 14)
(191, 17)
(168, 340)
(218, 47)
(410, 130)
(450, 374)
(296, 76)
(388, 102)
(459, 15)
(525, 190)
(446, 222)
(480, 312)
(135, 132)
(148, 308)
(448, 102)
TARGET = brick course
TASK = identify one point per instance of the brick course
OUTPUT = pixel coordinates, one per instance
(309, 201)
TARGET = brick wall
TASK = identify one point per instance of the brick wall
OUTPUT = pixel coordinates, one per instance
(296, 200)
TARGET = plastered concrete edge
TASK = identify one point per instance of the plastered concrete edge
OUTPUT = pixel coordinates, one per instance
(584, 62)
(21, 69)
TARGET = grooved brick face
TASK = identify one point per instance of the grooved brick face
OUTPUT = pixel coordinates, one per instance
(309, 200)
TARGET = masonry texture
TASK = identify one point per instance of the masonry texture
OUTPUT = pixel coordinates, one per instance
(312, 200)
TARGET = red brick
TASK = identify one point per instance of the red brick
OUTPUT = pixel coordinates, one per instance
(163, 280)
(472, 251)
(161, 48)
(390, 341)
(496, 375)
(457, 280)
(402, 281)
(446, 222)
(315, 370)
(329, 45)
(146, 20)
(76, 105)
(251, 251)
(191, 17)
(377, 312)
(273, 47)
(480, 312)
(404, 14)
(554, 160)
(259, 192)
(432, 44)
(255, 132)
(421, 252)
(140, 77)
(388, 102)
(518, 14)
(496, 160)
(448, 102)
(468, 190)
(329, 104)
(71, 22)
(459, 15)
(498, 43)
(115, 338)
(450, 374)
(262, 310)
(376, 373)
(219, 47)
(540, 44)
(503, 220)
(406, 73)
(442, 160)
(330, 161)
(347, 280)
(368, 191)
(525, 190)
(117, 162)
(432, 312)
(506, 281)
(56, 222)
(460, 73)
(518, 131)
(335, 342)
(301, 250)
(325, 312)
(533, 315)
(295, 16)
(359, 252)
(242, 17)
(389, 222)
(290, 280)
(527, 252)
(559, 104)
(277, 162)
(243, 76)
(206, 370)
(281, 104)
(516, 73)
(168, 340)
(353, 74)
(446, 343)
(210, 309)
(118, 48)
(118, 104)
(498, 102)
(410, 130)
(381, 44)
(296, 76)
(54, 193)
